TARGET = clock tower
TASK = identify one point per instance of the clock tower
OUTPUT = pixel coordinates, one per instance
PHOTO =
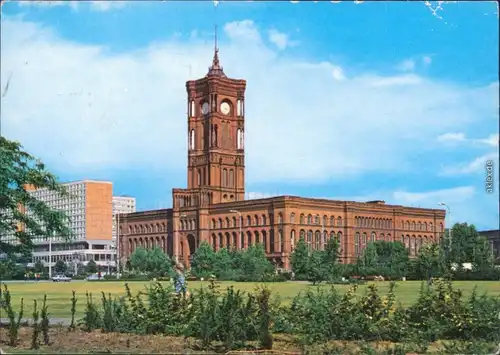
(216, 130)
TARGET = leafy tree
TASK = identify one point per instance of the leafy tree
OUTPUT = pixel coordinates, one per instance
(19, 169)
(331, 258)
(254, 263)
(428, 262)
(482, 255)
(370, 256)
(222, 262)
(91, 267)
(317, 270)
(203, 261)
(39, 267)
(151, 260)
(139, 259)
(158, 262)
(60, 267)
(300, 259)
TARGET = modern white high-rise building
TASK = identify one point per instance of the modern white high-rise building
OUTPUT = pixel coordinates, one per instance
(122, 205)
(91, 207)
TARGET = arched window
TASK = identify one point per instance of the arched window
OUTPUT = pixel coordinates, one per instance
(373, 237)
(191, 140)
(303, 234)
(292, 218)
(309, 219)
(239, 138)
(234, 221)
(249, 221)
(339, 238)
(317, 240)
(231, 178)
(192, 112)
(357, 244)
(339, 222)
(238, 107)
(309, 240)
(228, 223)
(332, 221)
(431, 227)
(325, 221)
(224, 177)
(281, 241)
(221, 241)
(301, 219)
(292, 240)
(221, 225)
(249, 238)
(264, 220)
(280, 218)
(257, 238)
(256, 218)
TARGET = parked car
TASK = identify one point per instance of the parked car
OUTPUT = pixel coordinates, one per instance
(61, 278)
(92, 277)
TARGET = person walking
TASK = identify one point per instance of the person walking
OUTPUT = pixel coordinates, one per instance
(179, 279)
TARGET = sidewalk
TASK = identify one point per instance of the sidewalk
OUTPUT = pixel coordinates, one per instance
(52, 321)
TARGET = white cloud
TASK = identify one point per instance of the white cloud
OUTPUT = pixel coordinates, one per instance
(279, 39)
(475, 166)
(491, 140)
(338, 73)
(451, 137)
(400, 80)
(94, 5)
(107, 5)
(406, 65)
(83, 107)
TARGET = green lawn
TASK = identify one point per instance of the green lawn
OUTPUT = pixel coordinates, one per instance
(59, 294)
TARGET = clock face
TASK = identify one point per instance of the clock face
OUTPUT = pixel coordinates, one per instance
(225, 108)
(204, 108)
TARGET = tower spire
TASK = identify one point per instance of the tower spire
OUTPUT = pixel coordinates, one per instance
(216, 69)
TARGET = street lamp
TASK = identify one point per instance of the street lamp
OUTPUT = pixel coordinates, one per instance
(50, 253)
(449, 219)
(241, 222)
(117, 249)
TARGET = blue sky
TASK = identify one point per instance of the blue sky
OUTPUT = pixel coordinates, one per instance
(395, 101)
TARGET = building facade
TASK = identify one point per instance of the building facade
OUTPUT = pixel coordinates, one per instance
(121, 205)
(493, 237)
(213, 207)
(89, 207)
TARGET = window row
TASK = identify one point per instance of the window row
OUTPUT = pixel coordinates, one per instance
(316, 220)
(265, 238)
(379, 223)
(419, 226)
(147, 243)
(317, 240)
(413, 243)
(147, 228)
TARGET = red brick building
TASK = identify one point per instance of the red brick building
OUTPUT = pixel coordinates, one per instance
(213, 207)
